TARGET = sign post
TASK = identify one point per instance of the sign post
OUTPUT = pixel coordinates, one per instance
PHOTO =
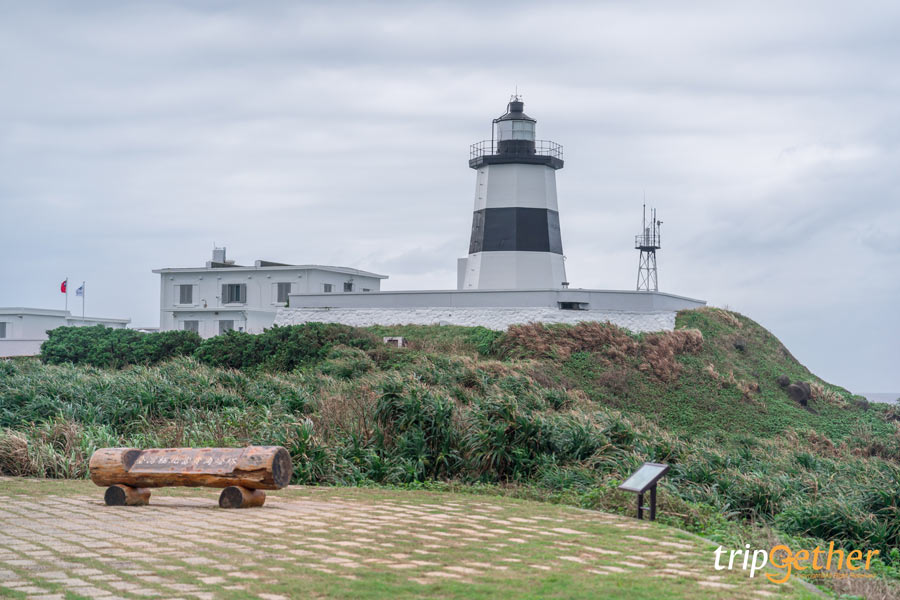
(641, 481)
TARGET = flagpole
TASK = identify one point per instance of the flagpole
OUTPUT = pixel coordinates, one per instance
(82, 302)
(67, 295)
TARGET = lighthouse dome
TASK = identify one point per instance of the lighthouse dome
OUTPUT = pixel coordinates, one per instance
(514, 110)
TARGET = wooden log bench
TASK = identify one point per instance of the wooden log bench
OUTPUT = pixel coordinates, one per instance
(243, 472)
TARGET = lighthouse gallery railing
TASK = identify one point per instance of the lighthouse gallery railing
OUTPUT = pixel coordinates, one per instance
(541, 148)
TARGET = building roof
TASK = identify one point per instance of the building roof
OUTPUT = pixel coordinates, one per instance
(22, 310)
(50, 312)
(265, 265)
(514, 112)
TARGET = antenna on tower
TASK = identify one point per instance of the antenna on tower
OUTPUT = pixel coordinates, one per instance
(648, 242)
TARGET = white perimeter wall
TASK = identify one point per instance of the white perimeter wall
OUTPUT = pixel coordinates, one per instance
(20, 347)
(492, 318)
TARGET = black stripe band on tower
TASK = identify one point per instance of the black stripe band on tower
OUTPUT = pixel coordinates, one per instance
(515, 229)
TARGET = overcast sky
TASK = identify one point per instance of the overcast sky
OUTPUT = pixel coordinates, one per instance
(134, 136)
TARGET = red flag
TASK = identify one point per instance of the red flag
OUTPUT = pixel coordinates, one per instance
(62, 288)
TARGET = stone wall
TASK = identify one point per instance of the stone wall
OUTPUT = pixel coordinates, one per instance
(492, 318)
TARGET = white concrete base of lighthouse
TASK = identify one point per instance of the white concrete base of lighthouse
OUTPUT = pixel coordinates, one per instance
(511, 270)
(492, 318)
(494, 309)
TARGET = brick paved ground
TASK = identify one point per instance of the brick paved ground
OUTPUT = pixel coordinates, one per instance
(333, 542)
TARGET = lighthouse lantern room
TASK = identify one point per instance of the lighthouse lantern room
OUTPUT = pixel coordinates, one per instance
(515, 241)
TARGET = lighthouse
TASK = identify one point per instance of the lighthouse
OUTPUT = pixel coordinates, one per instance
(515, 242)
(514, 272)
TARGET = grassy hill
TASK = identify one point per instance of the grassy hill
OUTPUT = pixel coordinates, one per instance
(555, 413)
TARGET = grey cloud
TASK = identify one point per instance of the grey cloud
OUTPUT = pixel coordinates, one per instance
(133, 136)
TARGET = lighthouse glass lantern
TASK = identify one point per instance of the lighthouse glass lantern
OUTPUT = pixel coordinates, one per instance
(515, 129)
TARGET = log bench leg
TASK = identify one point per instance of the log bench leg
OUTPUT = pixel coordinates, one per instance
(236, 496)
(125, 495)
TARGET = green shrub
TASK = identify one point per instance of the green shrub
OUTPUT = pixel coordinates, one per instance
(157, 347)
(557, 399)
(505, 442)
(277, 349)
(114, 348)
(418, 427)
(285, 348)
(7, 368)
(233, 350)
(484, 340)
(346, 363)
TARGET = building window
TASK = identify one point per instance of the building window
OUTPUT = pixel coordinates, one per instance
(328, 288)
(283, 291)
(348, 287)
(192, 326)
(574, 306)
(234, 293)
(185, 294)
(2, 329)
(366, 290)
(226, 326)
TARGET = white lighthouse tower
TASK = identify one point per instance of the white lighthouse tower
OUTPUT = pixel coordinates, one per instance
(516, 242)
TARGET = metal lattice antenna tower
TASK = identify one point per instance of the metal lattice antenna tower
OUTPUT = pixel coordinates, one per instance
(648, 242)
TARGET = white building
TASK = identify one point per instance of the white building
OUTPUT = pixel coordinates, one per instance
(23, 330)
(223, 296)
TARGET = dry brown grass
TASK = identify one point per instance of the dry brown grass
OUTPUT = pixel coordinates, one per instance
(892, 414)
(820, 393)
(343, 408)
(613, 345)
(555, 341)
(14, 454)
(822, 444)
(730, 318)
(659, 350)
(497, 369)
(52, 450)
(865, 443)
(724, 315)
(849, 584)
(440, 346)
(747, 388)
